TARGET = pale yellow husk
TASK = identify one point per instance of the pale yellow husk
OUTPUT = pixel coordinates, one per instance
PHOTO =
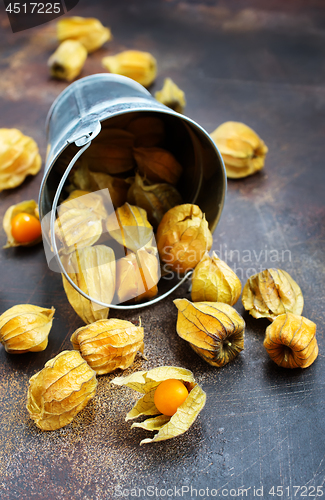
(68, 60)
(109, 344)
(25, 328)
(270, 293)
(129, 226)
(140, 66)
(137, 275)
(213, 280)
(172, 96)
(243, 151)
(93, 270)
(87, 30)
(80, 220)
(60, 390)
(19, 157)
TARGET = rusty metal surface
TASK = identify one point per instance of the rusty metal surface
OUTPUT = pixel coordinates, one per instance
(262, 425)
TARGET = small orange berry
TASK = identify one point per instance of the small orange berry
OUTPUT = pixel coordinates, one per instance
(25, 228)
(169, 395)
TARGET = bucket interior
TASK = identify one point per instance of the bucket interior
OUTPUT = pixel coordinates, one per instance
(202, 181)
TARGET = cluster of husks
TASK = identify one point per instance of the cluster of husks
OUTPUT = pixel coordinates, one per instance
(141, 178)
(78, 37)
(94, 269)
(291, 339)
(216, 331)
(133, 165)
(67, 382)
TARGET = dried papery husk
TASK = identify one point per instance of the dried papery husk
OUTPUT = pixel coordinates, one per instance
(242, 150)
(156, 199)
(83, 178)
(118, 188)
(172, 96)
(291, 341)
(135, 64)
(183, 237)
(82, 200)
(270, 293)
(93, 270)
(148, 131)
(109, 344)
(27, 207)
(87, 30)
(214, 281)
(25, 328)
(60, 390)
(214, 330)
(19, 157)
(111, 152)
(68, 60)
(129, 226)
(79, 223)
(146, 382)
(137, 275)
(79, 178)
(75, 193)
(158, 165)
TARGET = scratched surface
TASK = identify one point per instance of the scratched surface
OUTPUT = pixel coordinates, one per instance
(262, 425)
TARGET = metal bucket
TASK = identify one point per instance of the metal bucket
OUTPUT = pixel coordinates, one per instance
(76, 118)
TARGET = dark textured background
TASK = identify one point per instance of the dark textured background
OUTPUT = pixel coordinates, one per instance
(257, 62)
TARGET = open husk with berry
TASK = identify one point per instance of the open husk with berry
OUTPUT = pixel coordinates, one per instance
(146, 383)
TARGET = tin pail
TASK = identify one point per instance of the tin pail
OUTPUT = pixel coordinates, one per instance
(81, 113)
